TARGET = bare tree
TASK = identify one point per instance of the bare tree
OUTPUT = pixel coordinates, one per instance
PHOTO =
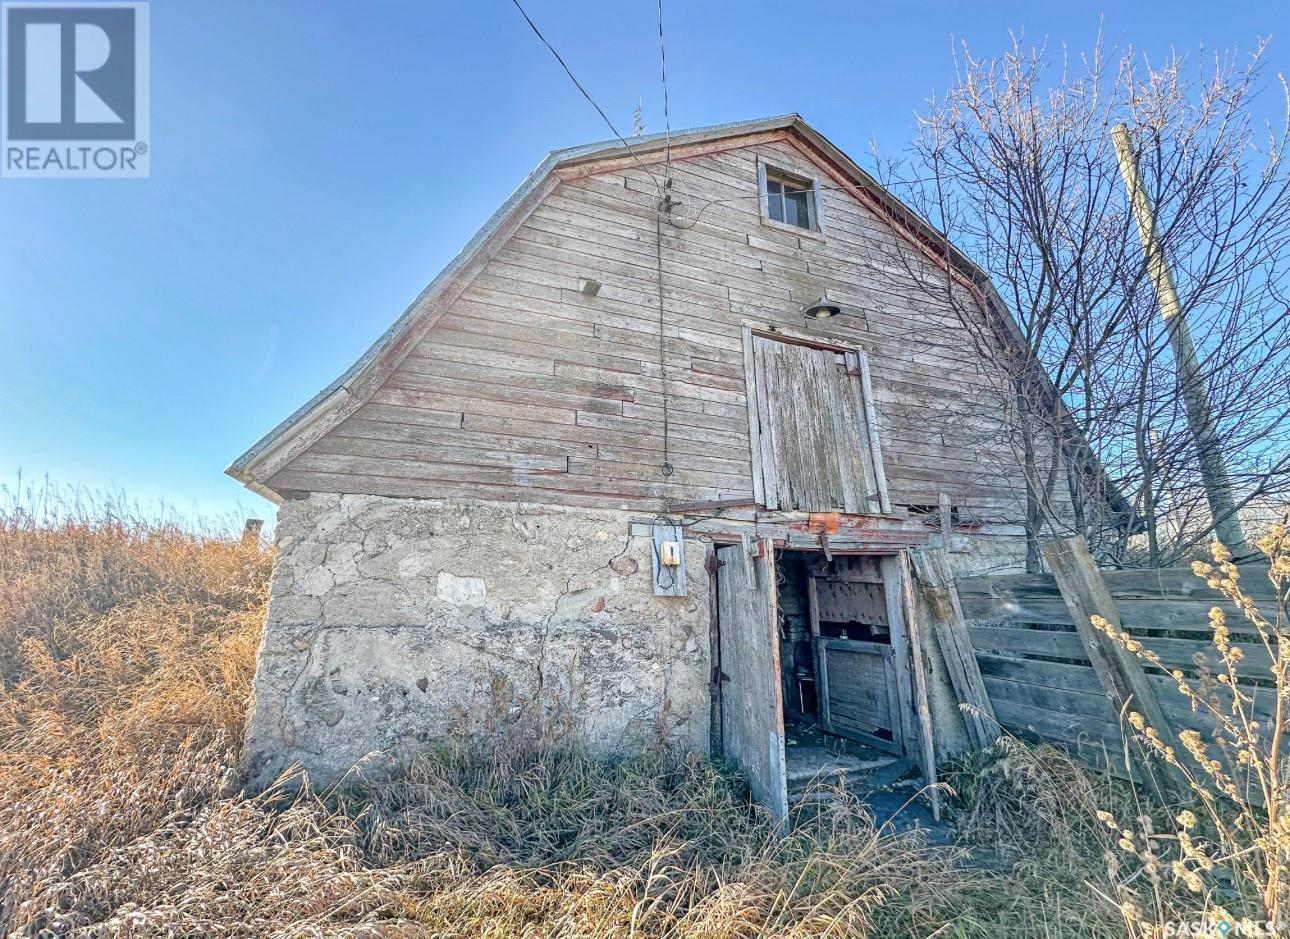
(1016, 165)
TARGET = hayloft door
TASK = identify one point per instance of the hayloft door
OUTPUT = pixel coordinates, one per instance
(752, 713)
(815, 444)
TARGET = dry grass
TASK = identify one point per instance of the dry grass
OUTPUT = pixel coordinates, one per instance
(1031, 804)
(1225, 856)
(126, 650)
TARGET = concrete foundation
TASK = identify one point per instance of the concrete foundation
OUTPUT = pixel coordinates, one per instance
(394, 623)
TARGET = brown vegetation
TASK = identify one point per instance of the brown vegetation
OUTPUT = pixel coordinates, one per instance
(1229, 851)
(127, 648)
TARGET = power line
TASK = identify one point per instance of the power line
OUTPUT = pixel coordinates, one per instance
(577, 84)
(662, 63)
(664, 203)
(666, 466)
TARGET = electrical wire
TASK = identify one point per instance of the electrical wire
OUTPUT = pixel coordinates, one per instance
(666, 466)
(577, 84)
(664, 197)
(665, 205)
(662, 64)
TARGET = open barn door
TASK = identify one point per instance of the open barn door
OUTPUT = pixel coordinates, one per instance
(752, 712)
(858, 692)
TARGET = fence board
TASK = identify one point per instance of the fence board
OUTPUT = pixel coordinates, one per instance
(1191, 616)
(1054, 726)
(1062, 644)
(1176, 583)
(1050, 677)
(1012, 640)
(1036, 668)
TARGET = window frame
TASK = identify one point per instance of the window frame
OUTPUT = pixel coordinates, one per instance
(807, 184)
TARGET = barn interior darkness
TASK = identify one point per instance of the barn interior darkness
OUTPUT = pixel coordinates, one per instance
(852, 632)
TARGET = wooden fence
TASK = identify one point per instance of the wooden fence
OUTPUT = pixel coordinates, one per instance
(1036, 665)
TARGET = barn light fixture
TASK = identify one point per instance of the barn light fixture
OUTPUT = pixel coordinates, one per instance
(821, 309)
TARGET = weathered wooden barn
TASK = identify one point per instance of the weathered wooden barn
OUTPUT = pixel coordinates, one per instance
(641, 461)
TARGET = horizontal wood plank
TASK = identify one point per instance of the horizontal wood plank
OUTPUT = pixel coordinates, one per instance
(524, 371)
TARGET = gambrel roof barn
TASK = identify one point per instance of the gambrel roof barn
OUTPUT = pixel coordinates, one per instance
(640, 462)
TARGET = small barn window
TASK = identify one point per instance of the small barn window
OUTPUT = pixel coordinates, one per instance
(788, 199)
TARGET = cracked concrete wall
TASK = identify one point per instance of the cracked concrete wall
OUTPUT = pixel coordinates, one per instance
(393, 623)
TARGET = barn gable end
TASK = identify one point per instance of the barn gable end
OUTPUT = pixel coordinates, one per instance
(513, 384)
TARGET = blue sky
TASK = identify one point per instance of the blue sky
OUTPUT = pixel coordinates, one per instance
(314, 164)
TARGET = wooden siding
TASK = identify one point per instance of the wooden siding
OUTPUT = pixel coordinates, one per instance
(528, 389)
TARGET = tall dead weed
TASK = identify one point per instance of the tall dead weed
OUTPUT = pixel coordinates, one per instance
(126, 653)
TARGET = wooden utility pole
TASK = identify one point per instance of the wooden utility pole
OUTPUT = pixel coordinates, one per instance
(1190, 380)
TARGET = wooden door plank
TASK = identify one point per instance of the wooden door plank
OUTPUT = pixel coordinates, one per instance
(752, 707)
(940, 602)
(890, 567)
(834, 447)
(922, 703)
(783, 426)
(795, 410)
(875, 438)
(821, 663)
(770, 473)
(754, 418)
(857, 419)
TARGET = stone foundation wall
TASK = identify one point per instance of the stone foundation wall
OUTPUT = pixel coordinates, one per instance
(989, 554)
(393, 623)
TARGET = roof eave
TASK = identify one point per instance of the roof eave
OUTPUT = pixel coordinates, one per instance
(244, 468)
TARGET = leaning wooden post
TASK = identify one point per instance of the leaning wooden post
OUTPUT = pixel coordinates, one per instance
(922, 702)
(1086, 595)
(941, 600)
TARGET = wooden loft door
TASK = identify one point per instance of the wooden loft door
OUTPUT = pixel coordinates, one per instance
(814, 437)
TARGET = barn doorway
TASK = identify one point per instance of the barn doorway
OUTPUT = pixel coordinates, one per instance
(809, 679)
